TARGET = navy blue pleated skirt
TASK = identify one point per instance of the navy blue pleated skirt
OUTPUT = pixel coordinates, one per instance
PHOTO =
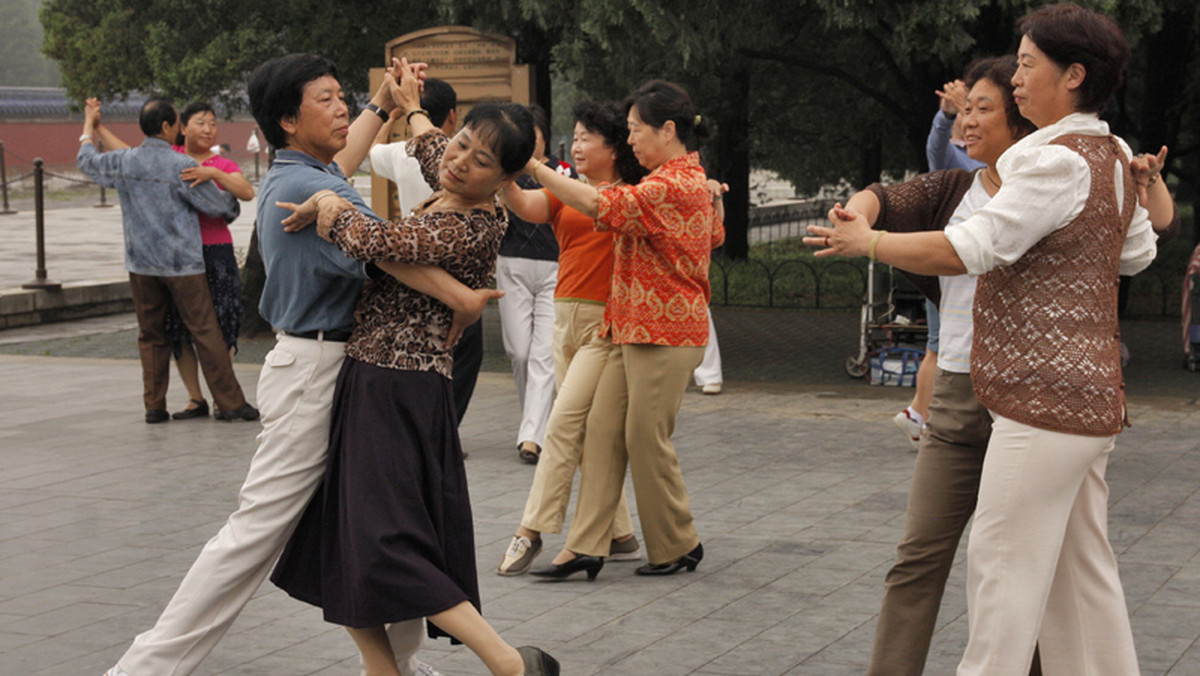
(389, 536)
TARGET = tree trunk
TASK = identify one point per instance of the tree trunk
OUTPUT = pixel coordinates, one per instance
(733, 161)
(254, 276)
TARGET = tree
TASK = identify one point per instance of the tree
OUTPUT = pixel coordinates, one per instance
(204, 50)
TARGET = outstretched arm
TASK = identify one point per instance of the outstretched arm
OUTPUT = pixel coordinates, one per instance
(577, 194)
(366, 127)
(924, 253)
(531, 205)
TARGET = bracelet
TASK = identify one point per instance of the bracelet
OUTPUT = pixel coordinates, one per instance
(1152, 181)
(317, 201)
(875, 240)
(377, 110)
(420, 111)
(85, 137)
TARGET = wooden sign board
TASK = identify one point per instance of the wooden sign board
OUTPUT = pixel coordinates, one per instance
(480, 66)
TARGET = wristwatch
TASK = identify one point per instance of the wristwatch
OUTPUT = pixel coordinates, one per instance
(377, 110)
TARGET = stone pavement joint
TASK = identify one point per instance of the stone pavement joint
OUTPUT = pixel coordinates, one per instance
(798, 496)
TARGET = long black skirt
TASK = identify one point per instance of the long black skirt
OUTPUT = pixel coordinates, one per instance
(389, 536)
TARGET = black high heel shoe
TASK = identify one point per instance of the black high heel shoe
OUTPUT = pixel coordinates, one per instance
(537, 661)
(561, 571)
(689, 561)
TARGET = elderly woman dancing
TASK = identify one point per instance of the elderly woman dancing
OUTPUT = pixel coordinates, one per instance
(1074, 210)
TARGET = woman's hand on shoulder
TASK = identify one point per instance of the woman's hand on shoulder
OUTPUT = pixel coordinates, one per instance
(323, 205)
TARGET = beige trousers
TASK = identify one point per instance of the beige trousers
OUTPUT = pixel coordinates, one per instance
(579, 360)
(631, 422)
(1040, 568)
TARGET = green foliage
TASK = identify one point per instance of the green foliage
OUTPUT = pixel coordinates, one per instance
(205, 50)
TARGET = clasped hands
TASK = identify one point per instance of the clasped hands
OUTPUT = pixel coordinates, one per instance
(849, 233)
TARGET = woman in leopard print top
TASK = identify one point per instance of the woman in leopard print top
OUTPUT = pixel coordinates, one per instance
(389, 537)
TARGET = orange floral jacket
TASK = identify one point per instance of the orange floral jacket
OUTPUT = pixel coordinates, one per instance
(664, 230)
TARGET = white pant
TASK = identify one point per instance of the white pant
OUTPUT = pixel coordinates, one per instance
(295, 396)
(709, 370)
(1040, 568)
(527, 326)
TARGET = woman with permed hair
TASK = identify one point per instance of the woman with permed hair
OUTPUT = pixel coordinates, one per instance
(585, 261)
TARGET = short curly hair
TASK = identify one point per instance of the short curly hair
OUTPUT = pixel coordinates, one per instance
(608, 120)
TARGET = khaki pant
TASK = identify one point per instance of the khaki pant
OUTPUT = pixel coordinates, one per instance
(579, 359)
(941, 500)
(631, 422)
(1040, 568)
(151, 297)
(295, 391)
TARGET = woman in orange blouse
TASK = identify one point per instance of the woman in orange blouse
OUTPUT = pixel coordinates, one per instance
(664, 229)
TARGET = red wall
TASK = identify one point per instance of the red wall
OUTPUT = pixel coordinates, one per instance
(58, 142)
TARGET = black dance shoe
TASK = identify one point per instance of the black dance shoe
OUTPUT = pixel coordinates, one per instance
(689, 561)
(156, 415)
(538, 662)
(561, 571)
(200, 410)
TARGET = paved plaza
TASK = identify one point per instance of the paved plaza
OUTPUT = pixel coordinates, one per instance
(797, 480)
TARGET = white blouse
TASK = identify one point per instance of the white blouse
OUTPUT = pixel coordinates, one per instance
(1044, 188)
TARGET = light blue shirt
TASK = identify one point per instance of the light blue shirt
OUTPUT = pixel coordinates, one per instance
(941, 153)
(311, 285)
(158, 208)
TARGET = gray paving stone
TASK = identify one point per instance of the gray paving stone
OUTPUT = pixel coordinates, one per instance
(799, 498)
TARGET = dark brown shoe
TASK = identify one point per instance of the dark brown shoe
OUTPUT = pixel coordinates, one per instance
(243, 412)
(156, 415)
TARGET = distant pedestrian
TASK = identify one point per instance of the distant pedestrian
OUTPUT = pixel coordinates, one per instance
(163, 254)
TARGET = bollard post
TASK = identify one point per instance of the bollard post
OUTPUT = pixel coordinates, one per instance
(4, 182)
(40, 280)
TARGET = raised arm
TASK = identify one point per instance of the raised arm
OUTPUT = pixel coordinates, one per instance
(577, 194)
(367, 126)
(531, 205)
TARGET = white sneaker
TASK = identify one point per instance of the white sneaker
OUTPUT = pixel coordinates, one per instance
(913, 430)
(426, 670)
(519, 556)
(711, 388)
(116, 671)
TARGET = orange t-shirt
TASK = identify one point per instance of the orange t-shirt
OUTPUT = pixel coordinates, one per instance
(665, 229)
(585, 256)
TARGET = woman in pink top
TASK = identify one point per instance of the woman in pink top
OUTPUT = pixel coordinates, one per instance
(197, 138)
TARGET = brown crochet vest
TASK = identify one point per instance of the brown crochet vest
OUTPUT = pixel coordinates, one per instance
(1046, 350)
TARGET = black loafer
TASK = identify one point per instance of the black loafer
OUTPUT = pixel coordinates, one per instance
(561, 571)
(528, 456)
(538, 662)
(243, 412)
(200, 410)
(157, 415)
(689, 561)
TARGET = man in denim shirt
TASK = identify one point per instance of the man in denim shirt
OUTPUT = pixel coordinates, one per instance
(164, 255)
